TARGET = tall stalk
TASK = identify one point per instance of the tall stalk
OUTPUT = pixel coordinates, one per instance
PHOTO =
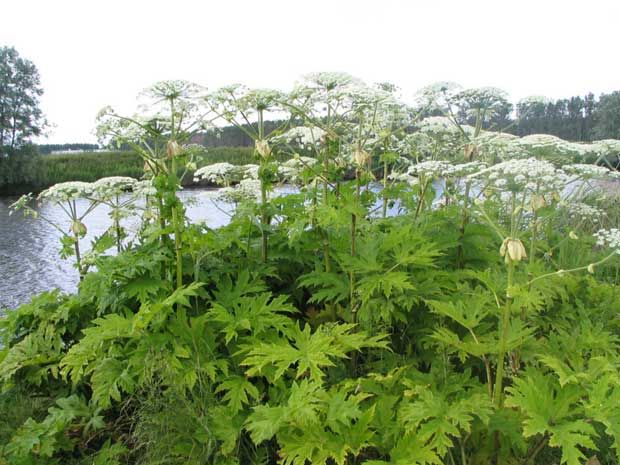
(460, 260)
(176, 221)
(263, 193)
(385, 195)
(117, 225)
(505, 316)
(76, 238)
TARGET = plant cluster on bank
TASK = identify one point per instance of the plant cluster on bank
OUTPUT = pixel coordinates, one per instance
(439, 297)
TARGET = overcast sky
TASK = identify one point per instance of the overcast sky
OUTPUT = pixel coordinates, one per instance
(92, 53)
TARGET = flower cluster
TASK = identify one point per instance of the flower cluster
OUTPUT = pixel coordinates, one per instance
(437, 124)
(106, 188)
(218, 173)
(144, 188)
(430, 169)
(583, 212)
(608, 238)
(444, 169)
(305, 136)
(65, 191)
(586, 171)
(436, 96)
(292, 169)
(482, 101)
(249, 171)
(527, 174)
(247, 189)
(499, 146)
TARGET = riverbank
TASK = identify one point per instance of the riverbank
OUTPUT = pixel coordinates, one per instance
(90, 166)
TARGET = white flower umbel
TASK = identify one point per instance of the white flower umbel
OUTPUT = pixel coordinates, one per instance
(300, 162)
(106, 188)
(144, 188)
(437, 96)
(528, 174)
(247, 189)
(586, 171)
(66, 191)
(218, 173)
(249, 171)
(583, 212)
(438, 124)
(609, 238)
(430, 169)
(482, 101)
(499, 146)
(548, 145)
(305, 136)
(292, 169)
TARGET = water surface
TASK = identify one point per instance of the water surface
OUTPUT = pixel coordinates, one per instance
(29, 248)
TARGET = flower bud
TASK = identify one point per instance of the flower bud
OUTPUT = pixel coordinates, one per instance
(470, 151)
(591, 268)
(78, 228)
(192, 166)
(361, 157)
(537, 202)
(173, 149)
(513, 250)
(573, 236)
(263, 149)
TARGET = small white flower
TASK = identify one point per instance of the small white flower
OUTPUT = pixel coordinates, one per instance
(608, 238)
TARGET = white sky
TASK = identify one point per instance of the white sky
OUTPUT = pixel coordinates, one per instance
(92, 53)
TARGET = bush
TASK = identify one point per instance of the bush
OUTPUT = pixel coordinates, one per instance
(20, 169)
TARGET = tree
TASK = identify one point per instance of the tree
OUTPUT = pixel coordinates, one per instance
(607, 117)
(20, 89)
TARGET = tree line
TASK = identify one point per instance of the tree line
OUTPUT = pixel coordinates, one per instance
(578, 118)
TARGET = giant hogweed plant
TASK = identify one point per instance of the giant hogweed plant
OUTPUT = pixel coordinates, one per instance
(447, 334)
(161, 134)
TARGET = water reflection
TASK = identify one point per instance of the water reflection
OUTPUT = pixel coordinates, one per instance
(29, 248)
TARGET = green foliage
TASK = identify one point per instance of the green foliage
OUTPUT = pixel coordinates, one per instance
(313, 329)
(90, 166)
(20, 170)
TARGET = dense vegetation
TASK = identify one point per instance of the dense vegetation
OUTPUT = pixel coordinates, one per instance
(30, 172)
(458, 305)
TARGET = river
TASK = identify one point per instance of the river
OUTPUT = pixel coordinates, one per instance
(29, 248)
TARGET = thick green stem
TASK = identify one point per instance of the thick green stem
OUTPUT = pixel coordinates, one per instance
(178, 235)
(264, 222)
(117, 225)
(326, 248)
(385, 195)
(78, 257)
(534, 233)
(460, 261)
(503, 338)
(421, 199)
(354, 247)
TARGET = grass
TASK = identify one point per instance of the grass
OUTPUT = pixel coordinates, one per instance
(90, 166)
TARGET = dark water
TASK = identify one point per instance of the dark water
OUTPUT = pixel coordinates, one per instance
(29, 248)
